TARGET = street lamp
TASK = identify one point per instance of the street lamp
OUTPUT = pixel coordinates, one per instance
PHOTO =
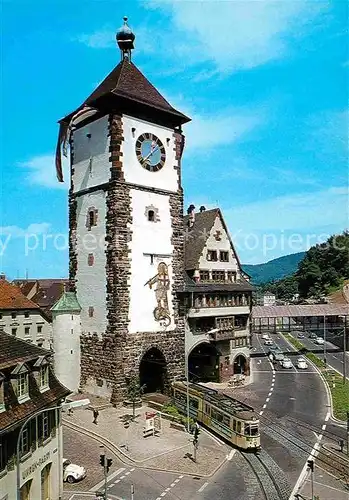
(63, 406)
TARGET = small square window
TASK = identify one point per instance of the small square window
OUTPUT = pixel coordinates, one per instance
(212, 255)
(224, 256)
(91, 312)
(0, 315)
(39, 328)
(151, 215)
(27, 330)
(13, 315)
(90, 259)
(14, 331)
(26, 314)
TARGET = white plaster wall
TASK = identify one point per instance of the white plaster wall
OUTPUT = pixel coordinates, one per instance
(218, 311)
(152, 238)
(97, 148)
(191, 340)
(91, 280)
(35, 320)
(8, 481)
(66, 345)
(167, 177)
(223, 244)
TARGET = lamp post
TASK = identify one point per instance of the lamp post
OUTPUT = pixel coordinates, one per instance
(325, 340)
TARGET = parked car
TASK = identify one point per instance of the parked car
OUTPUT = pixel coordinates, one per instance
(279, 356)
(72, 472)
(301, 364)
(268, 342)
(313, 336)
(286, 363)
(319, 341)
(265, 336)
(301, 336)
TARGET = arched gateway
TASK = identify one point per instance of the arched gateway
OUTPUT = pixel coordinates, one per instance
(203, 363)
(153, 371)
(241, 365)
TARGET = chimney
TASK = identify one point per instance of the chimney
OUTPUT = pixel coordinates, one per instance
(191, 213)
(202, 208)
(3, 276)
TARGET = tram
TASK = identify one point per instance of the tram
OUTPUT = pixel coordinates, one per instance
(234, 421)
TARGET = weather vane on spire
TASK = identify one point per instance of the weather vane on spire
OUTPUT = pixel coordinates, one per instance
(125, 38)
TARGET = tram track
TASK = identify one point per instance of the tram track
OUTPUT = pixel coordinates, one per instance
(271, 478)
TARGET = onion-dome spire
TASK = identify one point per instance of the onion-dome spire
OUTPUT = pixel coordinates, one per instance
(125, 38)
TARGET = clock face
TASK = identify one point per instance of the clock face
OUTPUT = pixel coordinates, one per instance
(150, 152)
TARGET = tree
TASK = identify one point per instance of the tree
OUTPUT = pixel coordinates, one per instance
(134, 391)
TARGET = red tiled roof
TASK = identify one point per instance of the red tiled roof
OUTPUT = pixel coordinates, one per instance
(11, 297)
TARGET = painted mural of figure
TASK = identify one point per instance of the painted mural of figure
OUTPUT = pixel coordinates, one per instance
(162, 281)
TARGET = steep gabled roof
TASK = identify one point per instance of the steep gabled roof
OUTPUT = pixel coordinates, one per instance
(196, 237)
(12, 298)
(126, 81)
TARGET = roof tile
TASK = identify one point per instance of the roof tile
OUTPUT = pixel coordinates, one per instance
(11, 297)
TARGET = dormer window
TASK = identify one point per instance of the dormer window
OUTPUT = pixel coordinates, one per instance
(21, 382)
(44, 378)
(41, 370)
(22, 387)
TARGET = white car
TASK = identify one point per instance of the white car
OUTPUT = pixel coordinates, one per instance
(268, 342)
(72, 472)
(319, 341)
(265, 336)
(286, 363)
(302, 364)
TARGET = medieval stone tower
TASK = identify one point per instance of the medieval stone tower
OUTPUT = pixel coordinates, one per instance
(126, 230)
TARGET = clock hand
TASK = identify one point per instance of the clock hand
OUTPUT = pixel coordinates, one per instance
(149, 155)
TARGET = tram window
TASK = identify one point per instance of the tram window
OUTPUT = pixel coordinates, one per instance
(247, 429)
(207, 409)
(234, 425)
(238, 427)
(254, 430)
(194, 403)
(226, 420)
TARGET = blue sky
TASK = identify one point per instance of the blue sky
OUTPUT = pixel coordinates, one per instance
(265, 84)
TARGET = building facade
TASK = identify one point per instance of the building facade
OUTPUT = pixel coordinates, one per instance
(29, 392)
(126, 231)
(21, 317)
(217, 298)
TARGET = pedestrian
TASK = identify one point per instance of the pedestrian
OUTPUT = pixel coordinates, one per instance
(95, 416)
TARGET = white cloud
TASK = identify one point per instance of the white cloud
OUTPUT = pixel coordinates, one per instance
(42, 171)
(297, 212)
(102, 39)
(237, 34)
(18, 232)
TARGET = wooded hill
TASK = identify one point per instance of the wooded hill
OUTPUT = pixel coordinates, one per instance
(322, 270)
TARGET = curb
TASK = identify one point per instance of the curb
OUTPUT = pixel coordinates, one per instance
(112, 447)
(324, 381)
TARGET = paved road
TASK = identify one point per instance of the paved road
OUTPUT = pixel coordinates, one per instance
(334, 356)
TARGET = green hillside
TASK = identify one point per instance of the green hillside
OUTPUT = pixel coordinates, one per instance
(275, 269)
